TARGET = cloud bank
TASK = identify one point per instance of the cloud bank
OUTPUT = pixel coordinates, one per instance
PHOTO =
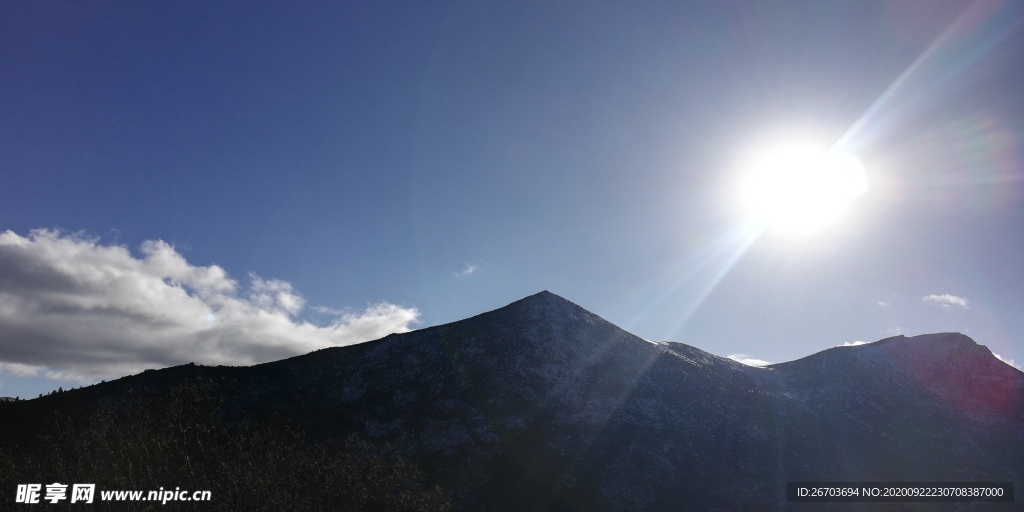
(73, 308)
(853, 343)
(946, 301)
(747, 360)
(1010, 362)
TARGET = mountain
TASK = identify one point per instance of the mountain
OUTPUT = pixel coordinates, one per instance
(542, 405)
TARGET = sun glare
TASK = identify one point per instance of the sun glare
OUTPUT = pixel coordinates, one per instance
(800, 188)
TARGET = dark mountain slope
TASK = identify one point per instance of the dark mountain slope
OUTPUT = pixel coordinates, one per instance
(931, 407)
(542, 405)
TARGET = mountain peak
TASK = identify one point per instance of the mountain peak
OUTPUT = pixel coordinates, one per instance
(944, 338)
(544, 297)
(547, 306)
(955, 367)
(943, 347)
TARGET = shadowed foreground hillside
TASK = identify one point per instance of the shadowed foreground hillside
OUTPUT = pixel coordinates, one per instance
(181, 437)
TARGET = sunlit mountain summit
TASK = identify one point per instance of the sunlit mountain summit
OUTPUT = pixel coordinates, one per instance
(543, 405)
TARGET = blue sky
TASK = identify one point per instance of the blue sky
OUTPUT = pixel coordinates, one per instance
(237, 182)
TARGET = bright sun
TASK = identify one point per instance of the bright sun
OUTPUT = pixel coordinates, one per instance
(801, 188)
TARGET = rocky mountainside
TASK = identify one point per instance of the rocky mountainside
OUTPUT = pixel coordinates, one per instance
(542, 405)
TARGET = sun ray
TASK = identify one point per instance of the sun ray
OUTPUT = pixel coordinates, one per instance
(978, 29)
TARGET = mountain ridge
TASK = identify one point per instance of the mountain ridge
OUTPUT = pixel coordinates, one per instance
(544, 405)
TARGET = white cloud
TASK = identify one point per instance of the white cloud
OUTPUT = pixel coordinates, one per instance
(19, 370)
(272, 293)
(467, 270)
(1010, 362)
(946, 300)
(883, 304)
(747, 360)
(324, 310)
(70, 306)
(853, 343)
